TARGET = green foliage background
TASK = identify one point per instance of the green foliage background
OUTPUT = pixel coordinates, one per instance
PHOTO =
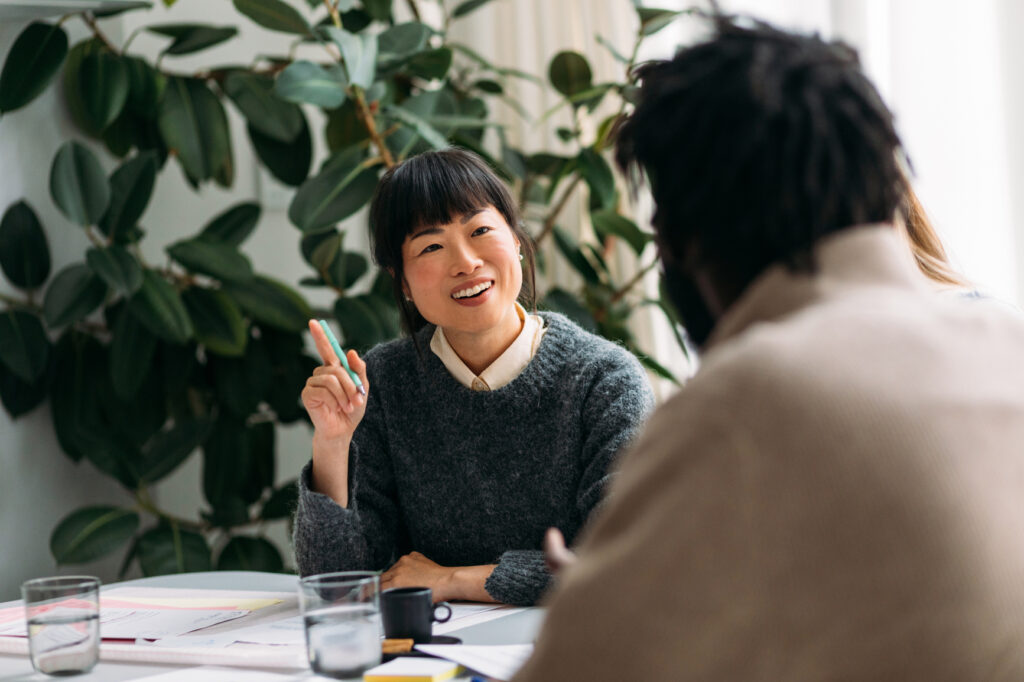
(145, 364)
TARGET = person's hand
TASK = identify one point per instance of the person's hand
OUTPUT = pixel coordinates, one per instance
(416, 570)
(556, 555)
(330, 396)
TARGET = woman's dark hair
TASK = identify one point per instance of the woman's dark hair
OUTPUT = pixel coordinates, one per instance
(758, 142)
(435, 188)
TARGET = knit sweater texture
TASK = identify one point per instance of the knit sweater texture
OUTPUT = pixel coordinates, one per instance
(476, 477)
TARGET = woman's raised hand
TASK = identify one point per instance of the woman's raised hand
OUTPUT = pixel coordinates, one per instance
(330, 396)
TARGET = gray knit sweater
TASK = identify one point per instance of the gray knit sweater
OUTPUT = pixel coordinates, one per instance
(470, 478)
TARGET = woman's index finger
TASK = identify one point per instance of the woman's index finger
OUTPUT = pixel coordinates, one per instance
(323, 344)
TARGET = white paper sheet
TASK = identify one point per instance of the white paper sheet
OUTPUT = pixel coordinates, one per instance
(146, 623)
(464, 615)
(497, 662)
(217, 674)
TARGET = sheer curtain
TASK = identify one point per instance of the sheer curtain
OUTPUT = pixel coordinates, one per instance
(952, 74)
(947, 69)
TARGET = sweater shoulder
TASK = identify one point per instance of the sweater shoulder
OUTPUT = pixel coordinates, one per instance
(582, 350)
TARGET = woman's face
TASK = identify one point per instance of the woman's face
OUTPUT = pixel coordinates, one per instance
(464, 275)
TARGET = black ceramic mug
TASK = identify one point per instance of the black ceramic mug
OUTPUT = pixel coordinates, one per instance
(409, 613)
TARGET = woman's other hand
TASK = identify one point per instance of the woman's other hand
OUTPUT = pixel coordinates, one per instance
(445, 582)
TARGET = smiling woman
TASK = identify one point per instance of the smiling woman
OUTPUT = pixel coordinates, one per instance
(449, 471)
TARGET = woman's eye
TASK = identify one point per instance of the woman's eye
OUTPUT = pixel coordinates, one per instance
(430, 249)
(481, 230)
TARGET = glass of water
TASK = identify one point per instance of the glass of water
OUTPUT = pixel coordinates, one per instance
(341, 613)
(63, 617)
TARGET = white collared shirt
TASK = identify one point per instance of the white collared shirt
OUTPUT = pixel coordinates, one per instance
(503, 370)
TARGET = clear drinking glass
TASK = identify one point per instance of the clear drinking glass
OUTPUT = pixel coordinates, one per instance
(63, 617)
(341, 613)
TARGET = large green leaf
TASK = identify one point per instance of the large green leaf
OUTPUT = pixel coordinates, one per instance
(259, 477)
(92, 532)
(599, 178)
(24, 252)
(158, 306)
(146, 86)
(215, 259)
(73, 94)
(359, 50)
(564, 302)
(344, 129)
(24, 347)
(104, 82)
(194, 125)
(225, 456)
(611, 223)
(242, 383)
(467, 6)
(570, 73)
(78, 184)
(653, 20)
(569, 247)
(431, 64)
(365, 321)
(289, 162)
(169, 448)
(276, 15)
(378, 9)
(131, 187)
(20, 397)
(168, 549)
(131, 355)
(189, 38)
(233, 225)
(249, 554)
(116, 267)
(32, 62)
(282, 502)
(333, 195)
(74, 293)
(432, 135)
(401, 41)
(266, 112)
(271, 302)
(78, 399)
(216, 319)
(304, 82)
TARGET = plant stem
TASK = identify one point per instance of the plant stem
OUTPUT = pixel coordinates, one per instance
(549, 221)
(90, 21)
(617, 296)
(10, 300)
(414, 8)
(333, 10)
(93, 237)
(364, 114)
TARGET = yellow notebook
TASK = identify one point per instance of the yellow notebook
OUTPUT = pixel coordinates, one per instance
(413, 669)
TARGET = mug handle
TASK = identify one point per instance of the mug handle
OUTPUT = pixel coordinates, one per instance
(447, 616)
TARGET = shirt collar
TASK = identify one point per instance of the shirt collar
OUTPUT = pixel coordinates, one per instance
(505, 368)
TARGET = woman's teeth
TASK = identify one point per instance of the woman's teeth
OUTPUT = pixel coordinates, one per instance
(473, 291)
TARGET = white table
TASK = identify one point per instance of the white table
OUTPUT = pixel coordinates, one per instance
(517, 628)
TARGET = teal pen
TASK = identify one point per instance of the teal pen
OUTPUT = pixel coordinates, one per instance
(341, 356)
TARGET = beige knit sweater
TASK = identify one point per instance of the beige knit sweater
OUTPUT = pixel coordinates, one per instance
(837, 495)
